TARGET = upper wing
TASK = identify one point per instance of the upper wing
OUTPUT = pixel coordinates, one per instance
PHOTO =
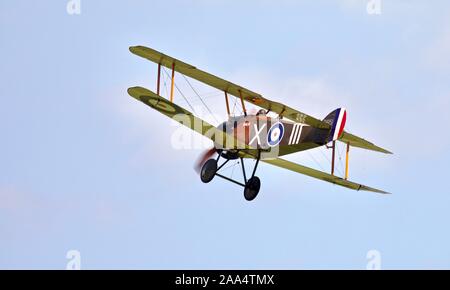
(320, 175)
(247, 95)
(226, 86)
(361, 143)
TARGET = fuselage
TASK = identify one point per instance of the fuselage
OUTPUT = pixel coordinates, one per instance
(271, 134)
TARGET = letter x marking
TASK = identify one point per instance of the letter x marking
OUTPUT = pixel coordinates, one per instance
(256, 137)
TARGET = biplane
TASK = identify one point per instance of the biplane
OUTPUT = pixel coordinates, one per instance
(261, 136)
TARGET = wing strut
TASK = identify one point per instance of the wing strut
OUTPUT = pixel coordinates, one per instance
(242, 102)
(228, 105)
(158, 82)
(173, 82)
(333, 153)
(346, 161)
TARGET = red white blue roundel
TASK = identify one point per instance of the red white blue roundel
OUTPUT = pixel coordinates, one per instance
(275, 134)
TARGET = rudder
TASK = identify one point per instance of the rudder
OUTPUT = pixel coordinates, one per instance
(337, 120)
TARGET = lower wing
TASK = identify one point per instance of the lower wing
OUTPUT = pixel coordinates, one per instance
(320, 175)
(185, 117)
(173, 111)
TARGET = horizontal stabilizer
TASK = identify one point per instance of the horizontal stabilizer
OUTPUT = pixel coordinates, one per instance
(356, 141)
(320, 175)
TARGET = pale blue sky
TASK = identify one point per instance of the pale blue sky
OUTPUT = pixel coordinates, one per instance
(84, 166)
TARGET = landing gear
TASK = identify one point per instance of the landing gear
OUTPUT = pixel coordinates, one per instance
(252, 188)
(208, 170)
(211, 169)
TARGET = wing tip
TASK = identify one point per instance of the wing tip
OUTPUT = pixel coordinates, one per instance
(386, 151)
(139, 50)
(383, 192)
(366, 188)
(137, 91)
(133, 90)
(133, 48)
(374, 148)
(130, 90)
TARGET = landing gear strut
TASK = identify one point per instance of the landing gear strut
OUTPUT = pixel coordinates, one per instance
(251, 186)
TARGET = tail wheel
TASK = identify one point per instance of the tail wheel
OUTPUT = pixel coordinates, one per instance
(208, 170)
(252, 188)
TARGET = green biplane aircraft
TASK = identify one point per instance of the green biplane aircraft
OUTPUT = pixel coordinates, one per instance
(256, 136)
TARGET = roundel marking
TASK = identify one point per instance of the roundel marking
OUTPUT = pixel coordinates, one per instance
(160, 104)
(275, 134)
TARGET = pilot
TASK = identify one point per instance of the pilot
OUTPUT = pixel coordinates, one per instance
(261, 112)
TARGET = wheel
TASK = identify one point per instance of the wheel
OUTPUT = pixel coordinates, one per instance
(208, 170)
(252, 188)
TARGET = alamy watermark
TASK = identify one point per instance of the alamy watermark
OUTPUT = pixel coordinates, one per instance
(373, 7)
(74, 258)
(373, 260)
(73, 7)
(238, 133)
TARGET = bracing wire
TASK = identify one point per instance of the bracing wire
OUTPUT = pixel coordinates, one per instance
(240, 111)
(324, 155)
(228, 167)
(165, 86)
(198, 95)
(314, 159)
(234, 107)
(337, 165)
(234, 166)
(178, 89)
(340, 154)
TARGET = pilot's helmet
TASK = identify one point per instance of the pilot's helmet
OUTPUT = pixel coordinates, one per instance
(261, 112)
